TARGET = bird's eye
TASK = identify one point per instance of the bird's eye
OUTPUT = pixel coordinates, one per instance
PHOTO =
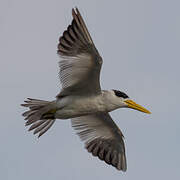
(120, 94)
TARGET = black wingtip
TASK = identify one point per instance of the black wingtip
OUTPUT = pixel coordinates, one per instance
(73, 11)
(76, 8)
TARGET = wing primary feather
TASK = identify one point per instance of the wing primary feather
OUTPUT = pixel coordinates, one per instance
(79, 26)
(72, 33)
(83, 25)
(68, 38)
(66, 43)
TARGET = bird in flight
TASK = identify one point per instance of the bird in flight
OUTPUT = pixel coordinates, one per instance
(81, 98)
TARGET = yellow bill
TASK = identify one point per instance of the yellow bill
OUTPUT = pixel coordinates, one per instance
(133, 105)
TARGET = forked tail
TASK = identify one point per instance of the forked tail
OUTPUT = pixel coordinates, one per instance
(40, 115)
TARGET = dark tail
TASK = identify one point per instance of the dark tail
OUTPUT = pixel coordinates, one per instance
(40, 115)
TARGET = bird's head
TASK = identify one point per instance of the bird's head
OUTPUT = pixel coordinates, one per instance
(124, 101)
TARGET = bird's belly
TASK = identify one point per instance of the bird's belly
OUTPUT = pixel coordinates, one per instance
(80, 107)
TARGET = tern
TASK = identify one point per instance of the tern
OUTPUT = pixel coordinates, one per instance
(81, 98)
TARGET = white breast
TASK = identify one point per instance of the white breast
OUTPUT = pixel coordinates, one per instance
(74, 106)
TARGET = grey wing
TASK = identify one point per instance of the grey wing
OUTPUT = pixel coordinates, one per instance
(80, 62)
(102, 138)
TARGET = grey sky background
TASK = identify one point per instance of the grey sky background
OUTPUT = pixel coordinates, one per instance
(139, 41)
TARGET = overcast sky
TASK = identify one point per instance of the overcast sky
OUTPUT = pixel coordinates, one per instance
(139, 41)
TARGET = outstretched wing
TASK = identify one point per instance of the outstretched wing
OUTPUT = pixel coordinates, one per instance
(81, 63)
(102, 138)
